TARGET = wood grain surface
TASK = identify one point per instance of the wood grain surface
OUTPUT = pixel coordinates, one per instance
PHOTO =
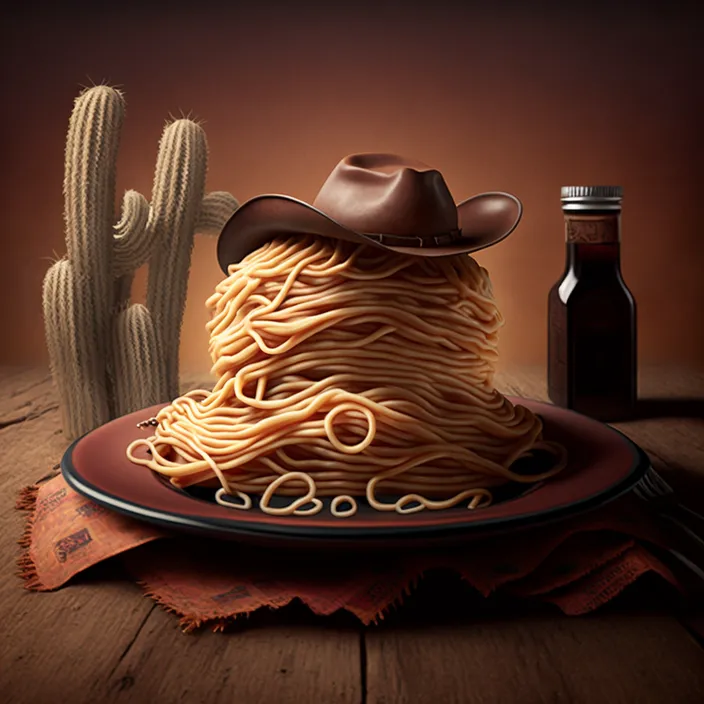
(100, 640)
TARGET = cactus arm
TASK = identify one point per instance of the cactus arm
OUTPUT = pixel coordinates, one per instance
(179, 184)
(133, 239)
(59, 329)
(67, 322)
(216, 209)
(136, 356)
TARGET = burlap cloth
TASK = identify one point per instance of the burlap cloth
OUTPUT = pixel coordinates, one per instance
(578, 564)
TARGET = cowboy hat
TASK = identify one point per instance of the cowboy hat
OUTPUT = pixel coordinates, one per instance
(383, 200)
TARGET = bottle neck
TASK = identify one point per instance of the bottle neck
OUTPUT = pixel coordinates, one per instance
(593, 242)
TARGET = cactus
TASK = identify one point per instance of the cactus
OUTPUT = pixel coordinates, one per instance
(109, 358)
(179, 184)
(131, 251)
(217, 208)
(135, 357)
(75, 365)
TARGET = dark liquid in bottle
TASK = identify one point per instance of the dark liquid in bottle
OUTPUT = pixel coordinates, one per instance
(592, 335)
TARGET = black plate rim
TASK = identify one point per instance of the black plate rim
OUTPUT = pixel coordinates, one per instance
(233, 529)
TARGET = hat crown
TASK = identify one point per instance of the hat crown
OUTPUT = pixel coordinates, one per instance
(388, 194)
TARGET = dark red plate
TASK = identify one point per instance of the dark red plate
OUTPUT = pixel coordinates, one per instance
(603, 464)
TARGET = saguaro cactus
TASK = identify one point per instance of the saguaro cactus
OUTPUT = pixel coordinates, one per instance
(107, 357)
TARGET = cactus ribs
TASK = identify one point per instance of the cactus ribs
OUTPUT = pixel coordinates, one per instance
(110, 357)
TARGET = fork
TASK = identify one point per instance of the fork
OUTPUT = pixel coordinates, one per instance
(654, 490)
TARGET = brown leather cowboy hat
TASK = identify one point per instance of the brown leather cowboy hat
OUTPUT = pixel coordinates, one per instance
(382, 200)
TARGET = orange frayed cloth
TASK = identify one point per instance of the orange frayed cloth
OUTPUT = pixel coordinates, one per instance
(578, 564)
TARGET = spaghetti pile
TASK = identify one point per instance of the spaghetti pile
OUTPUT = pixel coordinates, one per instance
(346, 372)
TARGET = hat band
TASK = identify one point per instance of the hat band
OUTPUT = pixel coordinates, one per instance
(415, 240)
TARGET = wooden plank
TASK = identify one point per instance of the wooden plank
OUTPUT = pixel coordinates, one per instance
(672, 431)
(100, 639)
(24, 394)
(615, 659)
(308, 660)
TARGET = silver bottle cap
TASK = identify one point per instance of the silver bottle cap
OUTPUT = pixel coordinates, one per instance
(586, 198)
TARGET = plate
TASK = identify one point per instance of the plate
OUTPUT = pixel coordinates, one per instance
(603, 464)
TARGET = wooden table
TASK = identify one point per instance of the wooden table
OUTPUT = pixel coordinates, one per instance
(99, 640)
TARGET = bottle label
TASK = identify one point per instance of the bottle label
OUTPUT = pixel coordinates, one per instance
(592, 229)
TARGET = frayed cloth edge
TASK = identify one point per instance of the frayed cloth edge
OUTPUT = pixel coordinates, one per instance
(27, 570)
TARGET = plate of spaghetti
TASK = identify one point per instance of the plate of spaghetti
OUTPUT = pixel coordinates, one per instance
(353, 401)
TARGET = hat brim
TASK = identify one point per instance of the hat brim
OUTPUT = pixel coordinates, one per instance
(484, 220)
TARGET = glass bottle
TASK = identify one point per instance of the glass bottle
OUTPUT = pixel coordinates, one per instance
(591, 312)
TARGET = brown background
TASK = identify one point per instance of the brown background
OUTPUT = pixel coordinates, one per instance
(500, 98)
